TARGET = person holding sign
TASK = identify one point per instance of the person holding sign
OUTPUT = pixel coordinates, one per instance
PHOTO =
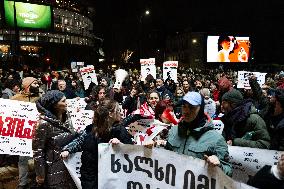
(270, 176)
(104, 129)
(195, 135)
(53, 132)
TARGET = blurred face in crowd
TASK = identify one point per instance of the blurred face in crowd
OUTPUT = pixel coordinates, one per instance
(185, 86)
(189, 112)
(278, 108)
(153, 100)
(152, 85)
(71, 77)
(61, 85)
(61, 106)
(34, 88)
(16, 89)
(102, 94)
(133, 92)
(213, 87)
(226, 107)
(198, 85)
(115, 115)
(103, 82)
(74, 84)
(179, 93)
(159, 83)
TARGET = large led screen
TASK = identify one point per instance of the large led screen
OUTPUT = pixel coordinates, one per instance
(228, 49)
(28, 15)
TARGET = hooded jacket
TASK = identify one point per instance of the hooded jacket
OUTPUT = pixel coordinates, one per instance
(200, 141)
(245, 127)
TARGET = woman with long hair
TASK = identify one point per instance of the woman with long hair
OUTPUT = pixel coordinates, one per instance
(104, 129)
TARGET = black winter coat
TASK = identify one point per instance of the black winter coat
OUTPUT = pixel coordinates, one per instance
(88, 143)
(50, 137)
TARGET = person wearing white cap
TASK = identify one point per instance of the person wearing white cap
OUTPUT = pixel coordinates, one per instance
(195, 135)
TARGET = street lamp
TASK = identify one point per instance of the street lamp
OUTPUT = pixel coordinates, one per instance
(147, 12)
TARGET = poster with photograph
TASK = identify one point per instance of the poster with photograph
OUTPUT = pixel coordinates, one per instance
(243, 79)
(88, 75)
(148, 68)
(170, 70)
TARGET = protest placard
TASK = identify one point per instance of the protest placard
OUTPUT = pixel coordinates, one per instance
(88, 75)
(82, 119)
(170, 70)
(128, 166)
(148, 67)
(76, 104)
(18, 120)
(243, 79)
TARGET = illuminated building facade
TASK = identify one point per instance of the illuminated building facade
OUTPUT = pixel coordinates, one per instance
(69, 39)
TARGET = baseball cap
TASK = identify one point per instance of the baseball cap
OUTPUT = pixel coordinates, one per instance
(193, 98)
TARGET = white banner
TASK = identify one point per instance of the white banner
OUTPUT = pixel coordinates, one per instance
(170, 70)
(243, 79)
(148, 67)
(247, 161)
(137, 167)
(18, 120)
(73, 164)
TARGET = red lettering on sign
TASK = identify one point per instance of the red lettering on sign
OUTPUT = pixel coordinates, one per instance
(1, 125)
(11, 127)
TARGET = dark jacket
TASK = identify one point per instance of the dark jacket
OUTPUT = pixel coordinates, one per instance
(88, 143)
(277, 133)
(264, 179)
(260, 101)
(50, 137)
(245, 127)
(131, 103)
(164, 92)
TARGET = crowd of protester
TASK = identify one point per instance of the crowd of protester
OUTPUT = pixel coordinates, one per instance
(252, 118)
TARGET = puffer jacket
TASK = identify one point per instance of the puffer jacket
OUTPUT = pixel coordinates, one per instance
(50, 137)
(203, 140)
(245, 127)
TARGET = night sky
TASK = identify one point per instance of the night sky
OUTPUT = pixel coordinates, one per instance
(117, 22)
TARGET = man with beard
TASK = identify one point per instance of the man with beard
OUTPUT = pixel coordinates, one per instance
(243, 126)
(29, 93)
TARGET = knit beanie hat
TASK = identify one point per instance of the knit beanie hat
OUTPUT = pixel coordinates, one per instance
(27, 81)
(46, 102)
(233, 96)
